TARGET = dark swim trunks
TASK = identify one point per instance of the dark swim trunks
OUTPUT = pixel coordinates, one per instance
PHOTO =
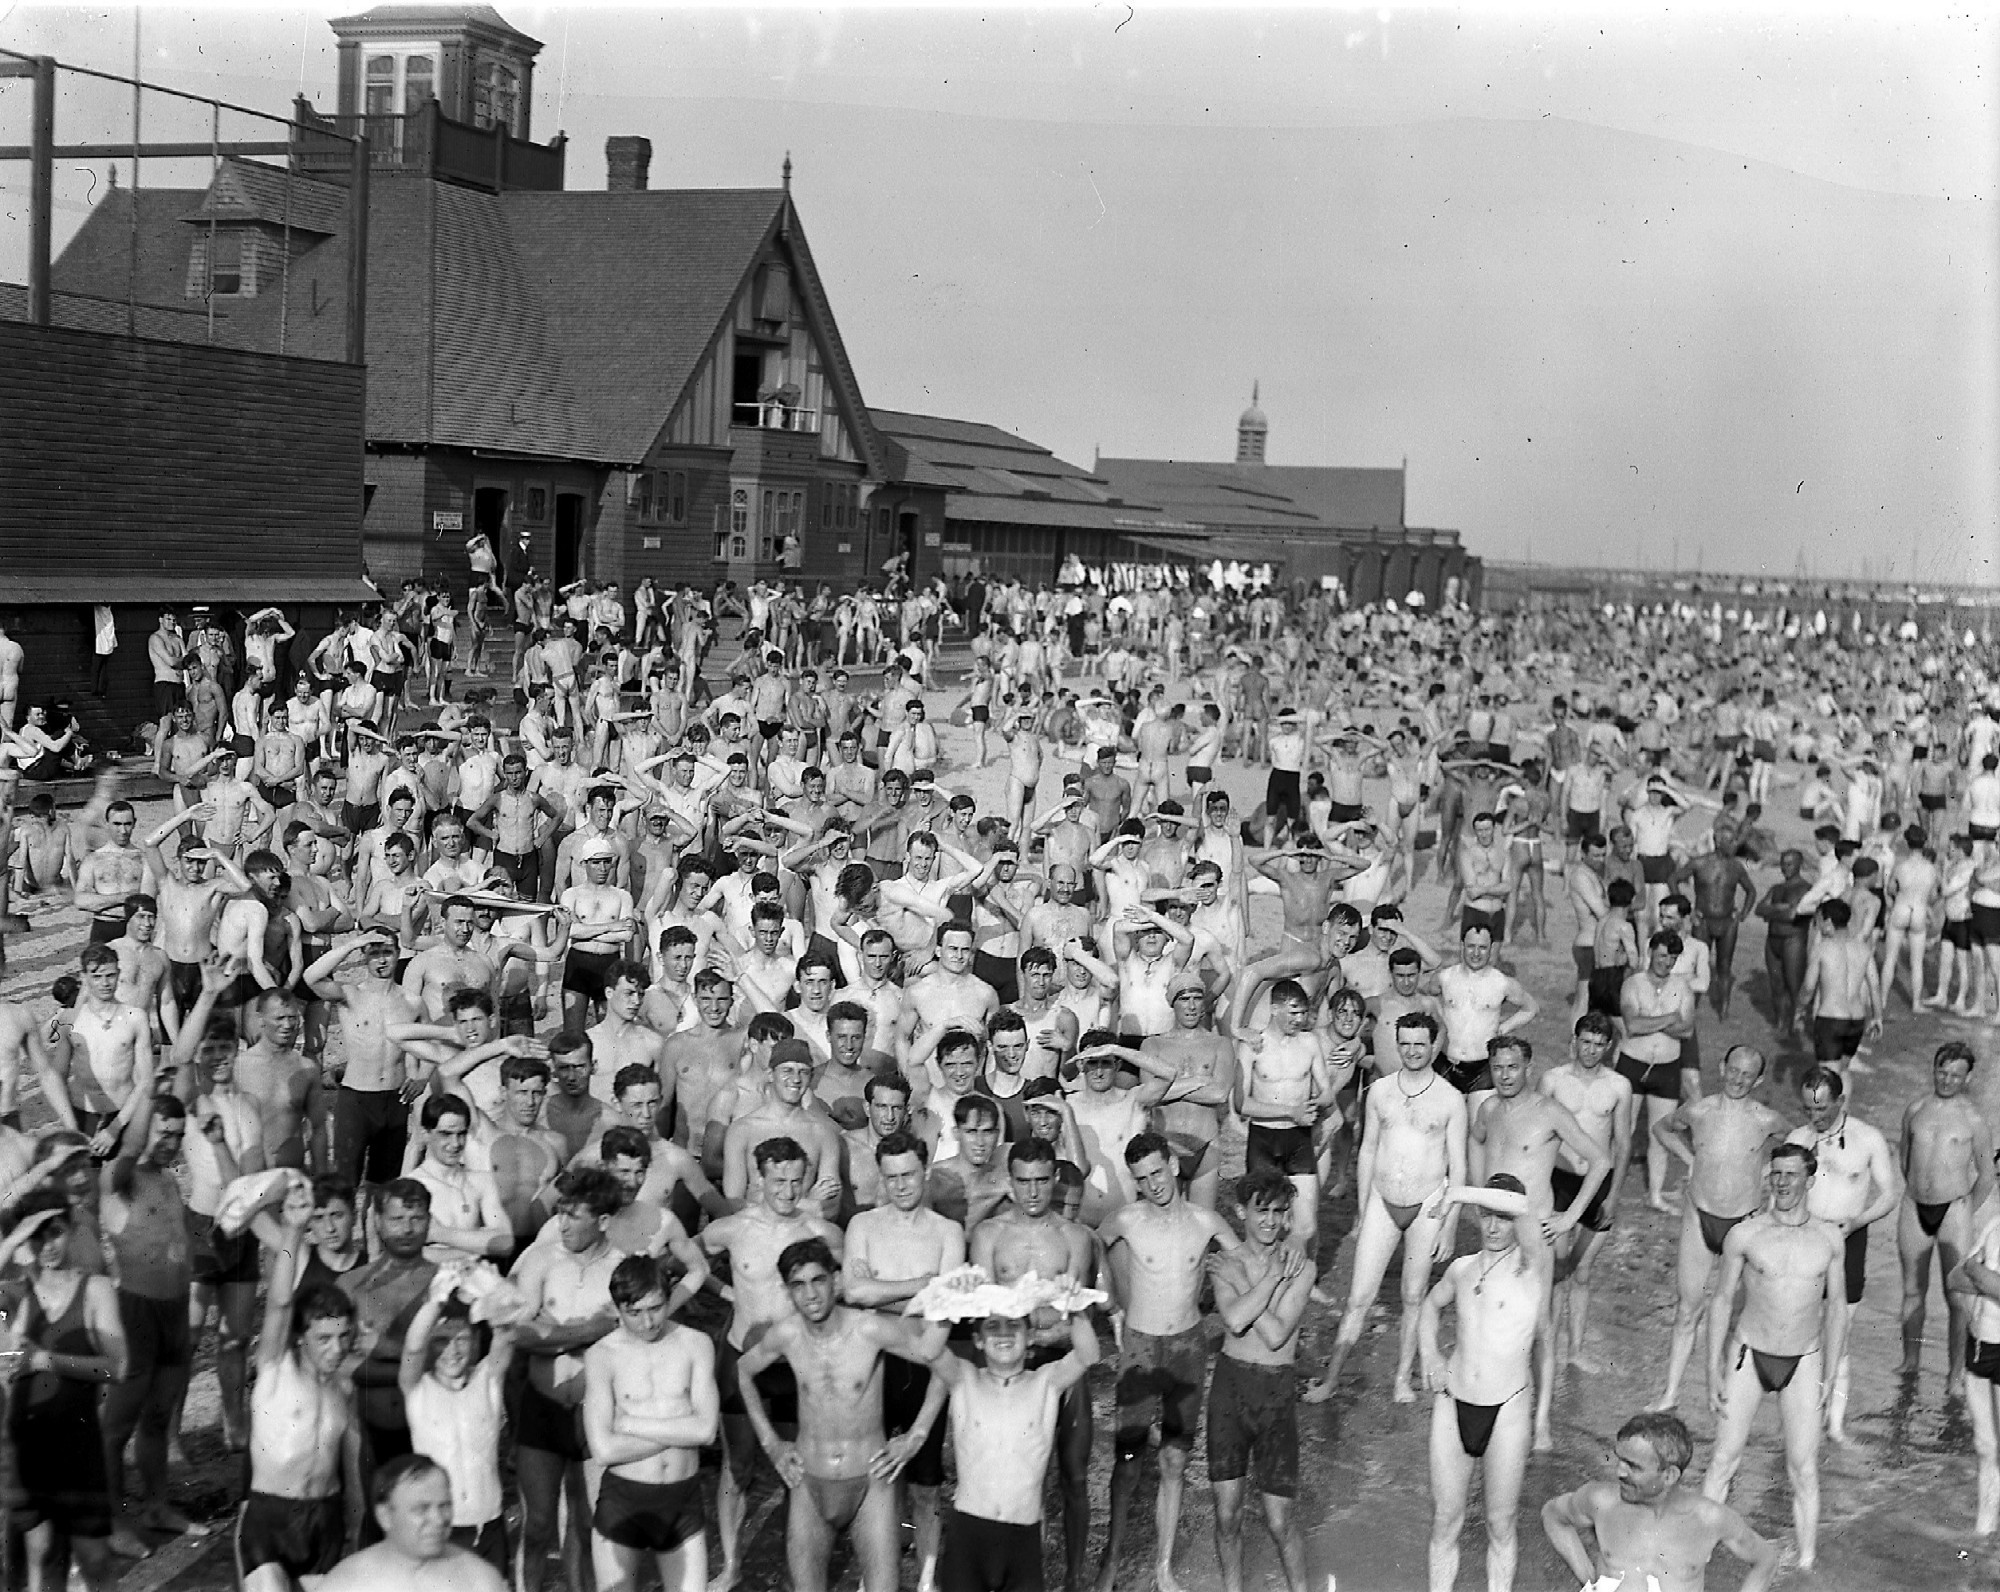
(1286, 1151)
(1931, 1217)
(1659, 1079)
(1774, 1371)
(1467, 1077)
(1564, 1186)
(1982, 1359)
(1714, 1229)
(1476, 1423)
(1857, 1264)
(1253, 1426)
(652, 1517)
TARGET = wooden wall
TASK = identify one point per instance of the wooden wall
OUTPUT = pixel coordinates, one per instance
(131, 457)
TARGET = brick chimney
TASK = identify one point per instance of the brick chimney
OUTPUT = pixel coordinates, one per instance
(627, 159)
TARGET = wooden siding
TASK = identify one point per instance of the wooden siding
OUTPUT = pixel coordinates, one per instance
(132, 456)
(392, 534)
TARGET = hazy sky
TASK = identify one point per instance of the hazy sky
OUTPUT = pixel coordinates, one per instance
(1619, 284)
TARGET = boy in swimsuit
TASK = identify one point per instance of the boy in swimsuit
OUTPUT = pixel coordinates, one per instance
(1946, 1149)
(1787, 1341)
(650, 1406)
(1412, 1152)
(840, 1469)
(1725, 1139)
(1482, 1411)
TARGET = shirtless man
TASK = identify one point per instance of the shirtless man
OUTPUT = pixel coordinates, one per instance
(650, 1406)
(1657, 1009)
(1412, 1152)
(450, 965)
(1726, 1140)
(894, 1249)
(753, 1239)
(1191, 1112)
(704, 1061)
(1407, 993)
(1842, 994)
(1261, 1294)
(1914, 887)
(1028, 1235)
(1475, 995)
(1719, 878)
(621, 1038)
(1856, 1186)
(840, 1469)
(1485, 877)
(371, 1107)
(1052, 1028)
(1156, 1248)
(1002, 1427)
(784, 1115)
(1150, 952)
(948, 993)
(1650, 1530)
(1583, 880)
(1305, 891)
(1284, 1085)
(602, 924)
(304, 1506)
(1789, 1266)
(1524, 1134)
(1479, 1416)
(1605, 1108)
(107, 876)
(286, 1086)
(142, 965)
(1946, 1148)
(111, 1053)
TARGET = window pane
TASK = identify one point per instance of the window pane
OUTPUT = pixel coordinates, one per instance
(381, 66)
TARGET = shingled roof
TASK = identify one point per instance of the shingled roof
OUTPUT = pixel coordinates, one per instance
(1262, 496)
(563, 324)
(636, 286)
(245, 190)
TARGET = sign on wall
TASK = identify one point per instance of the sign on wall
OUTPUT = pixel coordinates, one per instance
(448, 520)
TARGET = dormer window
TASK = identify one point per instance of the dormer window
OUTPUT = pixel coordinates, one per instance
(225, 263)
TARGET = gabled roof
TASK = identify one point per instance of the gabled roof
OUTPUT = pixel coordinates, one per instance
(245, 190)
(563, 324)
(1255, 496)
(636, 287)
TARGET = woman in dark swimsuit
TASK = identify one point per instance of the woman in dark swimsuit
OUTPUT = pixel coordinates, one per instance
(68, 1344)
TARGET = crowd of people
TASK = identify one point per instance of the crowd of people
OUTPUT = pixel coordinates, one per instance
(539, 1096)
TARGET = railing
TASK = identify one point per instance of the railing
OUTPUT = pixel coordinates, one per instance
(773, 417)
(428, 143)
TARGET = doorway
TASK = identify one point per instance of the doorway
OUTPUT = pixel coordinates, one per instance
(489, 518)
(569, 538)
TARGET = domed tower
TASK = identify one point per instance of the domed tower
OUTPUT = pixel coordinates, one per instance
(1251, 429)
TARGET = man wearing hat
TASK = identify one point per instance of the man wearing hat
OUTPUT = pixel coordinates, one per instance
(1121, 878)
(1196, 1095)
(602, 922)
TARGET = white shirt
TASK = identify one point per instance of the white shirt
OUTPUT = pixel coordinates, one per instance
(461, 1431)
